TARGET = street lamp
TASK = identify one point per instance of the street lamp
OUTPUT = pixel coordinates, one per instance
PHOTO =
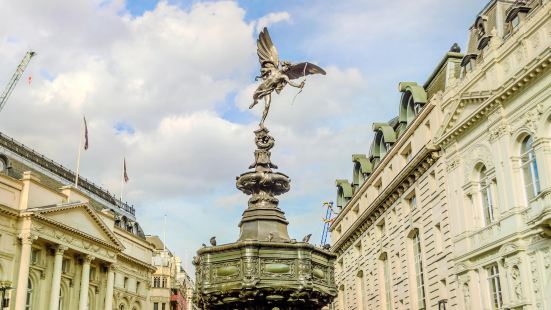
(442, 304)
(5, 302)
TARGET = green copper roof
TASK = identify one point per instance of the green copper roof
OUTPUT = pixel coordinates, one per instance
(388, 132)
(345, 186)
(365, 164)
(418, 92)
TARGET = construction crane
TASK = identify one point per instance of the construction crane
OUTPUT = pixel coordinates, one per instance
(15, 78)
(327, 221)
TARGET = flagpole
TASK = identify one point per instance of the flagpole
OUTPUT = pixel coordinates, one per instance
(78, 154)
(164, 233)
(122, 180)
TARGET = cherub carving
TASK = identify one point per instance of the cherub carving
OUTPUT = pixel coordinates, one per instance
(275, 74)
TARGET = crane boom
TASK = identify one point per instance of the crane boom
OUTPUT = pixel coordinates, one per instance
(15, 78)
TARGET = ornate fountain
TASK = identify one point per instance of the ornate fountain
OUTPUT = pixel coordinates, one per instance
(264, 268)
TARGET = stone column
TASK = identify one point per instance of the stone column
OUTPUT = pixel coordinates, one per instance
(109, 290)
(85, 280)
(24, 264)
(56, 278)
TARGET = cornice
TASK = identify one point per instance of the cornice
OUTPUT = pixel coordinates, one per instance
(530, 72)
(400, 141)
(9, 211)
(405, 179)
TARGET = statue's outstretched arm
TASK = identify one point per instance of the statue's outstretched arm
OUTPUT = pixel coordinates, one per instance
(301, 85)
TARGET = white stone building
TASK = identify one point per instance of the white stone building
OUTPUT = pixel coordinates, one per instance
(66, 248)
(451, 209)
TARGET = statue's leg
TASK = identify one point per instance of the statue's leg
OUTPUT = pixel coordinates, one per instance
(267, 100)
(254, 103)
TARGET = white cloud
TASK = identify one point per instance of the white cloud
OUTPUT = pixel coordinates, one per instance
(272, 18)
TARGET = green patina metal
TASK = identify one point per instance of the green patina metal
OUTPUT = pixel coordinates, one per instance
(365, 164)
(388, 132)
(418, 92)
(264, 268)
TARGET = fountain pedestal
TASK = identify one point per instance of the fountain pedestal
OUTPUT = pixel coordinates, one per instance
(264, 268)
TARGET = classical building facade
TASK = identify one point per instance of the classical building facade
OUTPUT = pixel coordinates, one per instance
(187, 288)
(451, 208)
(171, 288)
(63, 247)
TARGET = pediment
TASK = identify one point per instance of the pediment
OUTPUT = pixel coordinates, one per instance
(81, 219)
(462, 110)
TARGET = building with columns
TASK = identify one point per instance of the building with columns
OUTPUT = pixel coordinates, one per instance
(451, 207)
(171, 288)
(63, 247)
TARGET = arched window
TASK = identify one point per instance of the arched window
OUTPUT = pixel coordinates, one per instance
(529, 168)
(29, 302)
(60, 304)
(486, 196)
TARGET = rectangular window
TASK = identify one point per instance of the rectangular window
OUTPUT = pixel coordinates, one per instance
(125, 284)
(529, 168)
(35, 256)
(388, 291)
(419, 271)
(156, 282)
(155, 306)
(93, 274)
(487, 201)
(495, 287)
(65, 265)
(163, 306)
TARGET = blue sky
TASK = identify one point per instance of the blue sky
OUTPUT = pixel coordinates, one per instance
(167, 86)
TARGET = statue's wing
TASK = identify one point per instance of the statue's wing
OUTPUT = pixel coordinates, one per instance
(302, 69)
(267, 52)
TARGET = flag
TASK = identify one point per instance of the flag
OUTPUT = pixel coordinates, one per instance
(125, 174)
(85, 134)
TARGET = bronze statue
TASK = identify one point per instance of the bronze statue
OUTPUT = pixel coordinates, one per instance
(275, 74)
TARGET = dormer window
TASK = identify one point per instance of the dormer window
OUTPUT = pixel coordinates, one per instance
(468, 62)
(480, 26)
(515, 15)
(480, 30)
(412, 102)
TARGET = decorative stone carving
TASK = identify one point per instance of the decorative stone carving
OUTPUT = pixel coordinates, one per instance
(529, 120)
(452, 164)
(477, 153)
(517, 286)
(27, 238)
(501, 129)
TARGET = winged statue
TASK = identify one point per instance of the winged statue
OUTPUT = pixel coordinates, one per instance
(276, 75)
